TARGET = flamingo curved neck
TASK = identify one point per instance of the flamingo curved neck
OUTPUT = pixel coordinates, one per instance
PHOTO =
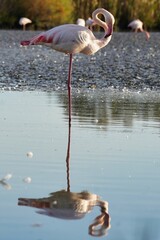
(109, 20)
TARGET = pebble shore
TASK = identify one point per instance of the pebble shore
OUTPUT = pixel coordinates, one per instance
(129, 62)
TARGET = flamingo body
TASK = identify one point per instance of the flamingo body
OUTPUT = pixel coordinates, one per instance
(24, 21)
(136, 25)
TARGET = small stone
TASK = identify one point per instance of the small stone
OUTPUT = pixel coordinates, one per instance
(27, 180)
(29, 154)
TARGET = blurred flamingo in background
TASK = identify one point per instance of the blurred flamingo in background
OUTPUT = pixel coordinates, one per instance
(81, 22)
(73, 38)
(23, 21)
(137, 25)
(90, 23)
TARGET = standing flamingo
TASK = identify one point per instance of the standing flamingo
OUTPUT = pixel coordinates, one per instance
(137, 25)
(81, 22)
(73, 38)
(23, 21)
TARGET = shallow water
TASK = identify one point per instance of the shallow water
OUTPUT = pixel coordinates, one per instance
(114, 153)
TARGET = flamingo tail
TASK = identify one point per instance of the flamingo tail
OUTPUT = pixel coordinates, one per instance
(31, 202)
(40, 39)
(25, 43)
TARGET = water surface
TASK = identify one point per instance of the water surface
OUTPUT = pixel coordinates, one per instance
(114, 154)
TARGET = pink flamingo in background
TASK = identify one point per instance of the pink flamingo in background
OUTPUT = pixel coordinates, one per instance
(137, 25)
(73, 38)
(81, 22)
(90, 23)
(23, 21)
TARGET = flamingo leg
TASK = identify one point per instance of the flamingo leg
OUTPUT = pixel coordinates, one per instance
(69, 88)
(68, 158)
(70, 114)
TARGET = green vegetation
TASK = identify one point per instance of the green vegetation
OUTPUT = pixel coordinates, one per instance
(49, 13)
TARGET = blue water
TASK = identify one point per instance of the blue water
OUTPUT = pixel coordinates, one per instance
(114, 153)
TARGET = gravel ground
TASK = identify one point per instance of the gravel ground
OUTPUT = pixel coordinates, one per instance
(127, 62)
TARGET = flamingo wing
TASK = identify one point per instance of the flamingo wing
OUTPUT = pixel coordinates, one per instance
(69, 38)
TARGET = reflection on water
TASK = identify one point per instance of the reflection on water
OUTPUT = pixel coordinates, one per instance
(115, 155)
(4, 183)
(111, 109)
(67, 205)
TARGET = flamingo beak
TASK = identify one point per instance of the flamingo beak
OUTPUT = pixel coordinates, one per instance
(109, 31)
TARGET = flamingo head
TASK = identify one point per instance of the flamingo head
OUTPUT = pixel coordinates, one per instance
(109, 20)
(107, 24)
(147, 35)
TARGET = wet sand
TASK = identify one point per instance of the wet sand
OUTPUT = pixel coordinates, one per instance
(127, 62)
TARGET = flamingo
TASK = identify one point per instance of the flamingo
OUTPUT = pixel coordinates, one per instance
(90, 23)
(81, 22)
(72, 38)
(136, 25)
(23, 21)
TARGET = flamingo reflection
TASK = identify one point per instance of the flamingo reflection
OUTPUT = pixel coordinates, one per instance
(67, 205)
(3, 181)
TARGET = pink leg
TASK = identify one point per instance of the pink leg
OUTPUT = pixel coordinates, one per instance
(68, 157)
(69, 89)
(69, 127)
